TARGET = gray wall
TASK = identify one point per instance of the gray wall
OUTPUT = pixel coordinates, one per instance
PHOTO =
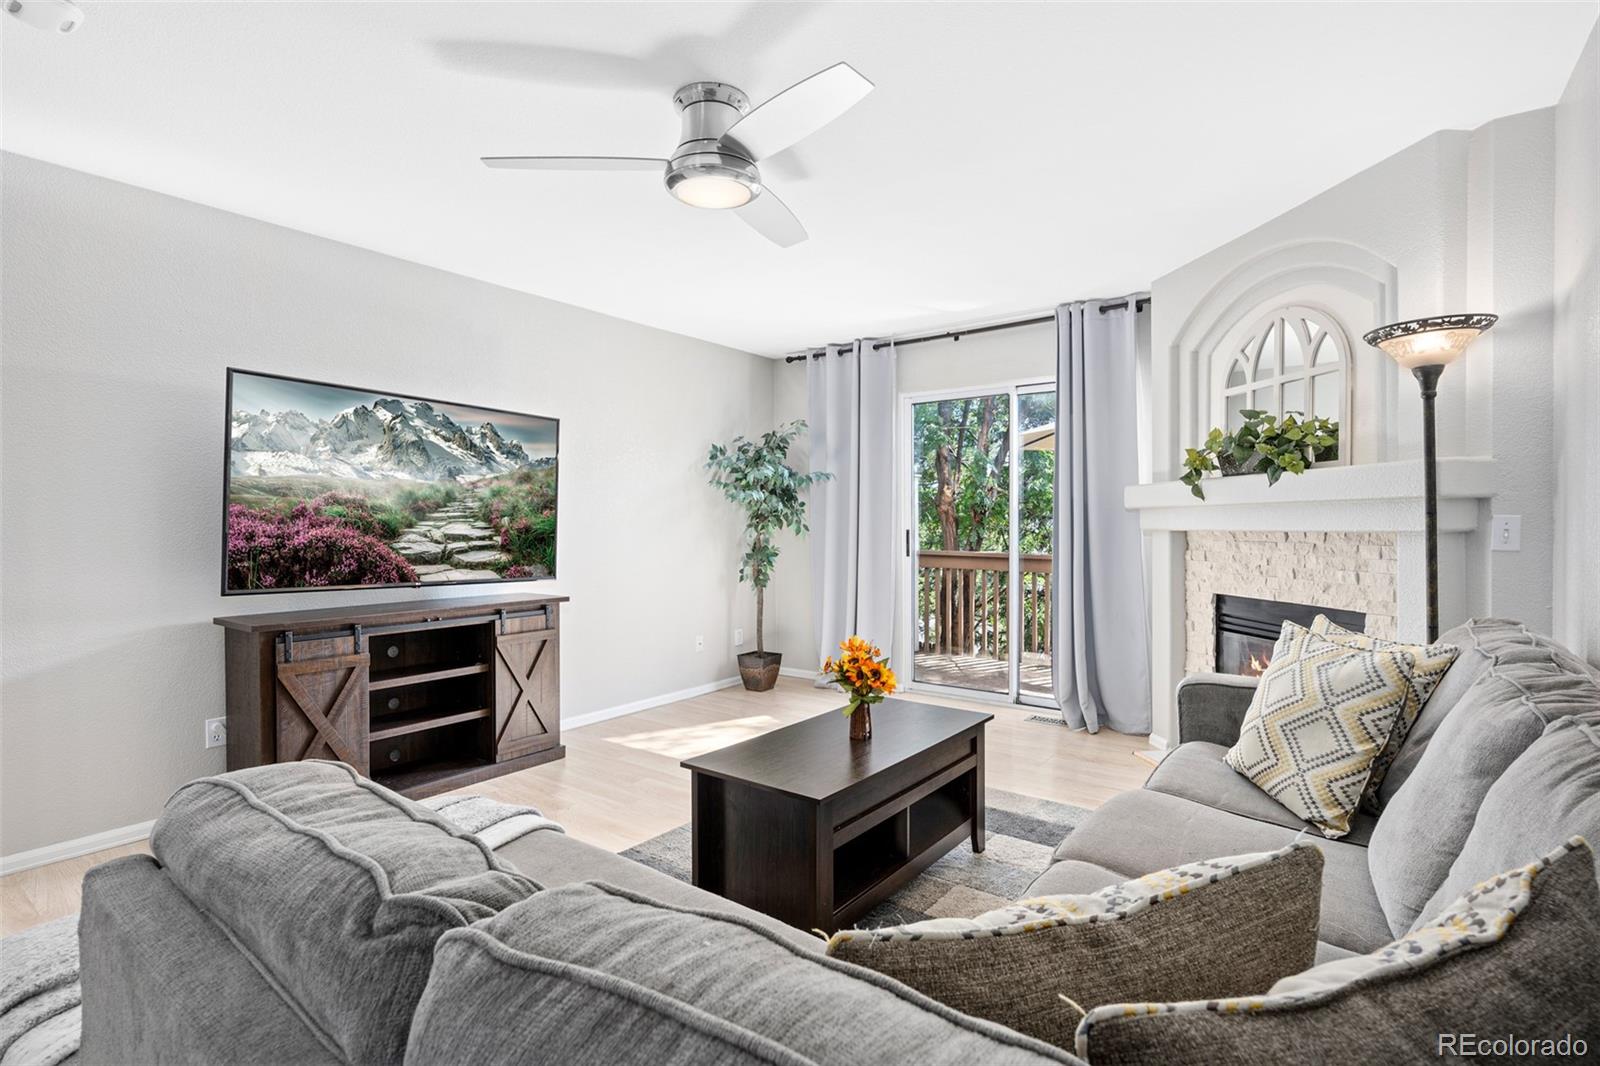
(1577, 369)
(121, 309)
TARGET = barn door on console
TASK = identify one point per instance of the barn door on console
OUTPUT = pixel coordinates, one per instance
(527, 683)
(321, 708)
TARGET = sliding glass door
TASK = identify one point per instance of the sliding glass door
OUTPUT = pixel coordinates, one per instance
(982, 490)
(1035, 522)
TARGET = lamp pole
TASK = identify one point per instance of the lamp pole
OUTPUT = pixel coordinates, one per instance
(1428, 377)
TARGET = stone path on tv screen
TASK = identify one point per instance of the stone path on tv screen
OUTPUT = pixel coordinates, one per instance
(450, 544)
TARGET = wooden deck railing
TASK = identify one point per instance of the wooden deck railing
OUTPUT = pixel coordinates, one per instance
(963, 607)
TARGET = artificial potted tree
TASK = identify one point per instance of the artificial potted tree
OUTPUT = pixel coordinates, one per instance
(756, 476)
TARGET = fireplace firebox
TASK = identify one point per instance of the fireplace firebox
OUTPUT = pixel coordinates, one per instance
(1247, 629)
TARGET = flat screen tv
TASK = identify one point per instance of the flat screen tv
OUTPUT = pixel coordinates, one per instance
(336, 487)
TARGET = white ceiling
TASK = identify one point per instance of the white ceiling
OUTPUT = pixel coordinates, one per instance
(1012, 156)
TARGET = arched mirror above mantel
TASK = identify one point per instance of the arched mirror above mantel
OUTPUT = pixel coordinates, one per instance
(1294, 358)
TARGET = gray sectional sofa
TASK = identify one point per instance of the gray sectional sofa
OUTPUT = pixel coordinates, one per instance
(1502, 765)
(297, 914)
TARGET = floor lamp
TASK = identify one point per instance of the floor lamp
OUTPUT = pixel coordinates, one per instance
(1425, 346)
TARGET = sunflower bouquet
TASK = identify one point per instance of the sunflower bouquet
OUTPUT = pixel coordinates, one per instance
(862, 671)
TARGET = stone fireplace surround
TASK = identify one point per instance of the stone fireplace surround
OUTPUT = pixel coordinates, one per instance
(1350, 571)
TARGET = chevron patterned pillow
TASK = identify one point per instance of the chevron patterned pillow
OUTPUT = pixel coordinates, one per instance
(1432, 662)
(1320, 716)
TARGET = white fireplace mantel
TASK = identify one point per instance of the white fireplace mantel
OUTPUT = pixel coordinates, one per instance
(1371, 497)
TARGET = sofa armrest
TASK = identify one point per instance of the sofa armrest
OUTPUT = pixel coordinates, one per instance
(162, 982)
(1211, 707)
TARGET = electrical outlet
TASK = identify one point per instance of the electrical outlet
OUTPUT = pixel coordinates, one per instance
(738, 638)
(699, 643)
(216, 732)
(1505, 533)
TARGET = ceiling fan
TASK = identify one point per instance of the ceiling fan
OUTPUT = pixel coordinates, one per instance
(723, 138)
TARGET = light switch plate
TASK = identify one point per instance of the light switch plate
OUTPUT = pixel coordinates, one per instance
(1505, 533)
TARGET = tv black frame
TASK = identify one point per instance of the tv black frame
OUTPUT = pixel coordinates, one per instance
(227, 477)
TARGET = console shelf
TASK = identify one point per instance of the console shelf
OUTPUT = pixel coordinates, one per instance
(423, 696)
(422, 677)
(401, 724)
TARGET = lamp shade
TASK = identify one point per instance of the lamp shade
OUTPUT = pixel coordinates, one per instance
(1436, 341)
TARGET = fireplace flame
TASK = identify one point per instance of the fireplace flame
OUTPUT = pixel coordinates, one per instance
(1256, 666)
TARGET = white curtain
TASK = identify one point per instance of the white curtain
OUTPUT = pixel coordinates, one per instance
(1101, 632)
(851, 410)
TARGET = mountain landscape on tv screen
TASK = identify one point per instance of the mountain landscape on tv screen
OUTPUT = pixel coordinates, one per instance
(391, 439)
(331, 487)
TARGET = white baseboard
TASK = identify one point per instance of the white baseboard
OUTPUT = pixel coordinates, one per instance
(1158, 741)
(795, 671)
(578, 721)
(71, 849)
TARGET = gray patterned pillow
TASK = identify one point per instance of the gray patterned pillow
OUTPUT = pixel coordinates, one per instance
(1318, 719)
(1211, 928)
(1513, 959)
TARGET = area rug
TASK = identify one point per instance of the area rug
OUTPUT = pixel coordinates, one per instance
(1022, 832)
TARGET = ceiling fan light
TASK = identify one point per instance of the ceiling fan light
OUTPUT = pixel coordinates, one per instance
(715, 191)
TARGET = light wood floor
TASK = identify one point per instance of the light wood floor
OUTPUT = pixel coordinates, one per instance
(620, 783)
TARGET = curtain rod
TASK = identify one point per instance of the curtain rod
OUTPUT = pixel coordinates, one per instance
(956, 334)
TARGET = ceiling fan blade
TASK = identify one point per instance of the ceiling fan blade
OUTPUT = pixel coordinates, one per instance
(771, 217)
(572, 162)
(799, 111)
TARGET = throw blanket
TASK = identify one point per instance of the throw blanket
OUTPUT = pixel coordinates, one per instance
(41, 1019)
(496, 824)
(40, 1016)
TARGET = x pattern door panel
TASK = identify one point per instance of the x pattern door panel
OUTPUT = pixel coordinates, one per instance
(526, 687)
(322, 709)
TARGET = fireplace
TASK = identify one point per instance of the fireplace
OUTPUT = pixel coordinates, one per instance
(1247, 629)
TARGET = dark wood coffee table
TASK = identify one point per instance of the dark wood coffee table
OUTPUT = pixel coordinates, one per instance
(805, 825)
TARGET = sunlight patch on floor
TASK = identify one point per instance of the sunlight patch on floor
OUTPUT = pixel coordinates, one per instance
(689, 741)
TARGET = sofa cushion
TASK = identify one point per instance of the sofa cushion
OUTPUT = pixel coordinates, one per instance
(690, 986)
(1071, 878)
(1224, 927)
(335, 887)
(1147, 830)
(1482, 641)
(1432, 660)
(554, 859)
(1320, 717)
(1509, 968)
(1550, 794)
(1196, 771)
(1426, 823)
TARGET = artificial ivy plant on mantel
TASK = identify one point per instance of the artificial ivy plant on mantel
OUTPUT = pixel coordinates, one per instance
(756, 476)
(1263, 444)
